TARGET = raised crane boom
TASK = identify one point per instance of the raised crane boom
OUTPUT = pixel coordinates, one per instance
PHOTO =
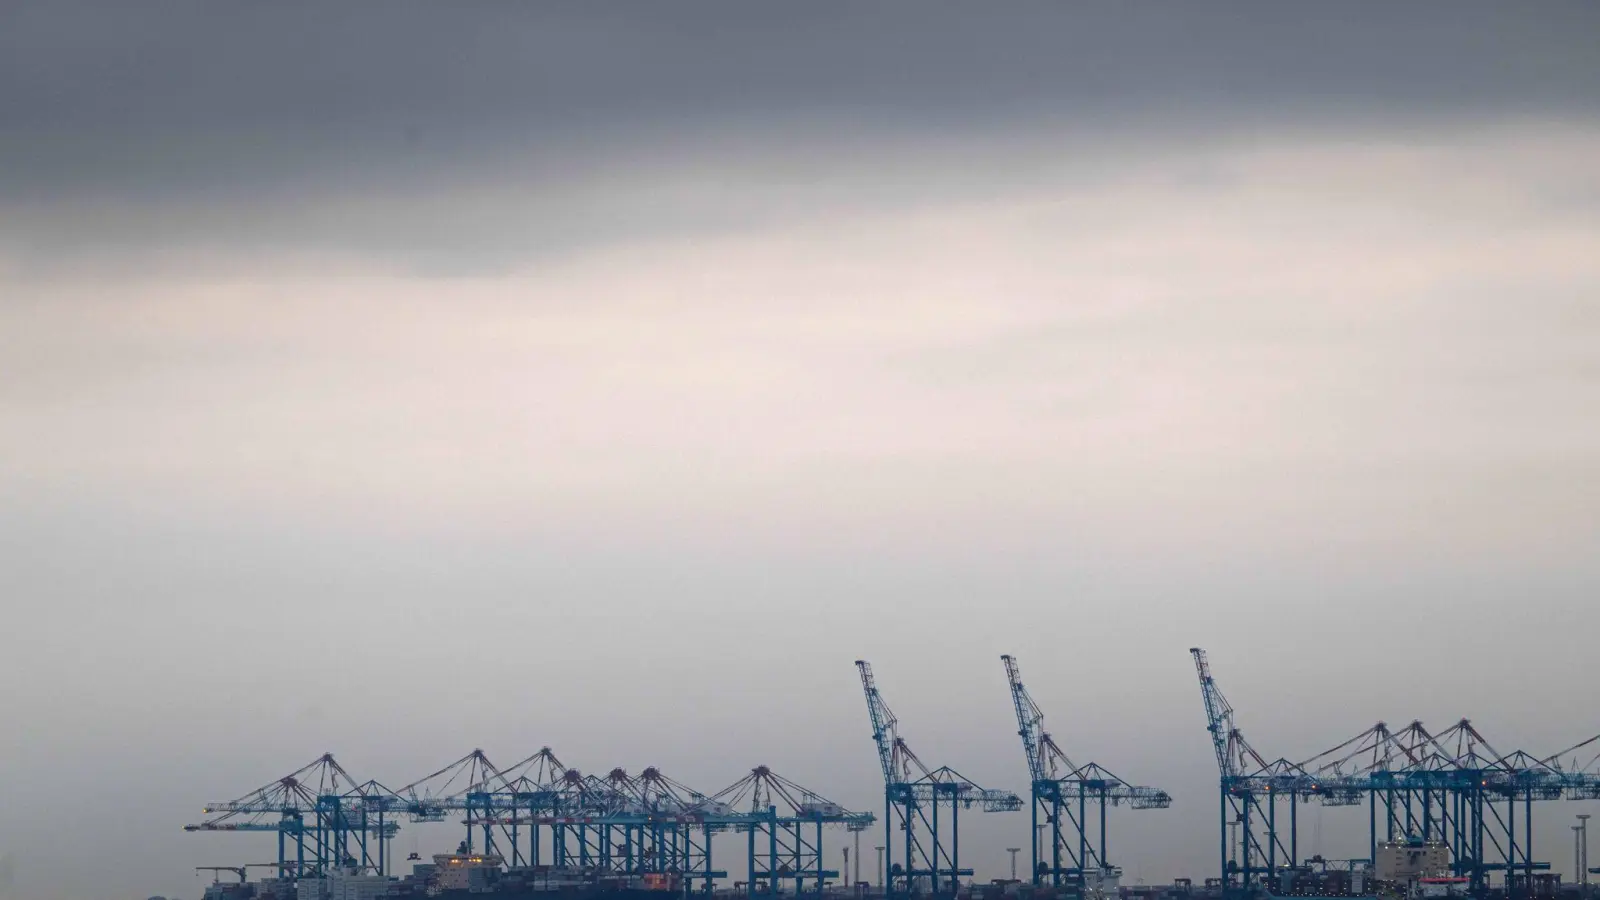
(1219, 715)
(1029, 718)
(884, 724)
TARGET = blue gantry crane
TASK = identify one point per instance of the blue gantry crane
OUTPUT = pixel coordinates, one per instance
(913, 795)
(659, 826)
(528, 798)
(1071, 800)
(1452, 788)
(783, 824)
(316, 811)
(1252, 792)
(616, 823)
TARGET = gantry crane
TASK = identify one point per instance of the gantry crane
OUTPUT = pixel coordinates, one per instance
(912, 797)
(531, 796)
(1452, 788)
(783, 823)
(1251, 790)
(1063, 793)
(318, 807)
(658, 826)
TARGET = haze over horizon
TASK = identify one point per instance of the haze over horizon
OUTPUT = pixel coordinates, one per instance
(394, 380)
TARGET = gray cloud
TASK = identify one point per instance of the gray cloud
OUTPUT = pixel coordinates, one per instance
(271, 130)
(146, 100)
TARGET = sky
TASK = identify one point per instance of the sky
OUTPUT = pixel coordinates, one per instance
(394, 380)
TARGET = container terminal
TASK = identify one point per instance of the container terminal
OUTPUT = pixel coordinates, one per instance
(1447, 815)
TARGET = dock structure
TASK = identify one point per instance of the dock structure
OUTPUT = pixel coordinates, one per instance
(1448, 804)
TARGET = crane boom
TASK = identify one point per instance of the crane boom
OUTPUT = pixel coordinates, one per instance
(240, 871)
(1029, 718)
(1219, 715)
(237, 870)
(883, 722)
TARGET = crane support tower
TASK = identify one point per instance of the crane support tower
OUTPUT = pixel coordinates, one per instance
(1070, 800)
(913, 795)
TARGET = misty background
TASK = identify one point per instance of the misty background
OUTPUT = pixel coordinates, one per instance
(394, 380)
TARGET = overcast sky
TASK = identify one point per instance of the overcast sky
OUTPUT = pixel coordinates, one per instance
(398, 379)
